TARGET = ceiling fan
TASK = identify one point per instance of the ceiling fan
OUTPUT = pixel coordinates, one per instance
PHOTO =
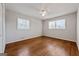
(42, 9)
(43, 12)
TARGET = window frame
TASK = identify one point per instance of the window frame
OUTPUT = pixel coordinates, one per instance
(23, 28)
(55, 24)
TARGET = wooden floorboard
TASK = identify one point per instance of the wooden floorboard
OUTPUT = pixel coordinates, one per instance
(42, 46)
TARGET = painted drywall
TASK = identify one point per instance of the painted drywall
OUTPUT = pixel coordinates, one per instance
(3, 17)
(13, 34)
(67, 34)
(1, 33)
(78, 28)
(2, 28)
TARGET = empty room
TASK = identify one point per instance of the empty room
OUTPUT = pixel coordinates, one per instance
(39, 29)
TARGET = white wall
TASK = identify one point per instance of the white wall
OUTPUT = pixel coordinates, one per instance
(13, 35)
(78, 28)
(4, 38)
(2, 28)
(1, 33)
(68, 34)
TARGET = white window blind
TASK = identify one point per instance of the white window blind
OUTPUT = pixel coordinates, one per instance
(23, 24)
(58, 24)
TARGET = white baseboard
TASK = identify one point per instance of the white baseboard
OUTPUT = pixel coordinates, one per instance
(23, 38)
(61, 38)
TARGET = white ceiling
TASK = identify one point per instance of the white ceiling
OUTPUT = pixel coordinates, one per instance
(53, 9)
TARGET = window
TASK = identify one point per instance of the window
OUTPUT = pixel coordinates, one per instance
(23, 24)
(58, 24)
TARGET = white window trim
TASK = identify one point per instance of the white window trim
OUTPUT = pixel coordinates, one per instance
(24, 28)
(55, 24)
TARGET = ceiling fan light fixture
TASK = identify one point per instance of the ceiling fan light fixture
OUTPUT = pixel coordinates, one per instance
(43, 12)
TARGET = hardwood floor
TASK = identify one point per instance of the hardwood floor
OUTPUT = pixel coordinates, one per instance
(42, 46)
